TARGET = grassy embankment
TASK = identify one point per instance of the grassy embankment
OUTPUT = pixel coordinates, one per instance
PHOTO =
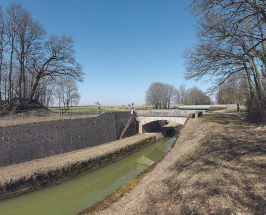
(19, 178)
(217, 166)
(231, 110)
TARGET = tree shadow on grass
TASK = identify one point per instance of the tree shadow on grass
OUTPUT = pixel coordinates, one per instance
(227, 176)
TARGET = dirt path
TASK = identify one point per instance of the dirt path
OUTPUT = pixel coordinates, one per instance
(218, 166)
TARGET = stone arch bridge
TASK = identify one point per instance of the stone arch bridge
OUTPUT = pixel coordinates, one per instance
(179, 116)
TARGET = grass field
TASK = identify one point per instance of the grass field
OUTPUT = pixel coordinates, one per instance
(75, 109)
(120, 108)
(199, 106)
(103, 108)
(230, 110)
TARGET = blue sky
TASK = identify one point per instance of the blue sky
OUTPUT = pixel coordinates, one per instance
(123, 45)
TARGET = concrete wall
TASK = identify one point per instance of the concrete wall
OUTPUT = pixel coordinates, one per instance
(164, 113)
(26, 142)
(121, 119)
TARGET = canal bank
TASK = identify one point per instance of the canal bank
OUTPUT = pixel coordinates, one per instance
(124, 190)
(24, 177)
(217, 166)
(21, 178)
(75, 195)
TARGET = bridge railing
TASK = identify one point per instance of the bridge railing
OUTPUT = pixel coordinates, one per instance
(162, 113)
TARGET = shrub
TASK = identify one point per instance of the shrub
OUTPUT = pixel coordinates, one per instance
(256, 111)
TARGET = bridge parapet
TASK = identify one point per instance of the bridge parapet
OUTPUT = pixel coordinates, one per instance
(163, 113)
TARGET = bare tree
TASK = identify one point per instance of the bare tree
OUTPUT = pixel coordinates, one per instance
(231, 43)
(13, 13)
(171, 93)
(182, 91)
(195, 96)
(28, 34)
(160, 95)
(50, 85)
(59, 96)
(69, 89)
(2, 45)
(66, 91)
(180, 94)
(33, 62)
(4, 82)
(56, 60)
(75, 97)
(232, 91)
(154, 94)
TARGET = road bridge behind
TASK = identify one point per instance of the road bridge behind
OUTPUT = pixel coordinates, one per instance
(179, 116)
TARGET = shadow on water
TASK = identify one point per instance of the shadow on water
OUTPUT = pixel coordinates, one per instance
(168, 129)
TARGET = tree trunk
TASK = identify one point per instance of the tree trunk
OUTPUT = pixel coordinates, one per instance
(10, 75)
(19, 83)
(258, 84)
(32, 92)
(5, 91)
(23, 74)
(251, 90)
(1, 63)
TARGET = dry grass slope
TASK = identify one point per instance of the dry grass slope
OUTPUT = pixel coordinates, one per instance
(17, 120)
(218, 166)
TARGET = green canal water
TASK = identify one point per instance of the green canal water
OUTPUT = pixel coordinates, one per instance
(77, 194)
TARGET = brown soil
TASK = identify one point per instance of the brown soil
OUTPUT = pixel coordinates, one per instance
(217, 166)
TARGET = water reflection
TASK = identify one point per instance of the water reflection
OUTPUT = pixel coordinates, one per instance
(77, 194)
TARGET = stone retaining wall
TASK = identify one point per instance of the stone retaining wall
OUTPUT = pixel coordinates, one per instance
(24, 142)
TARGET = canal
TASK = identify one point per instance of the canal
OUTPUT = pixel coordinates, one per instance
(79, 193)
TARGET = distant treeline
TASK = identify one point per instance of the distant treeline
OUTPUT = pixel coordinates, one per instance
(162, 95)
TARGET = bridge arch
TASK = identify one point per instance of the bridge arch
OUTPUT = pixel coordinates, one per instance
(145, 120)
